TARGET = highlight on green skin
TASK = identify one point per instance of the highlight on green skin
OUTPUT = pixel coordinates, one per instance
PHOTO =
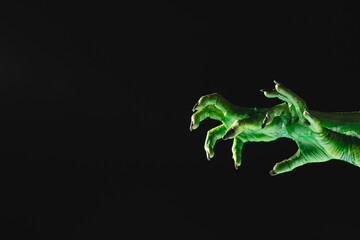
(320, 136)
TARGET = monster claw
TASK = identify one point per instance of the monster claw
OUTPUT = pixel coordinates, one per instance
(191, 125)
(262, 90)
(276, 82)
(264, 122)
(272, 173)
(195, 106)
(208, 156)
(228, 134)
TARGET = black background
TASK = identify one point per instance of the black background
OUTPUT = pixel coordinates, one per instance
(96, 100)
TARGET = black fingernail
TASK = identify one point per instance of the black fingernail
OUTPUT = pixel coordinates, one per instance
(228, 134)
(208, 156)
(191, 125)
(195, 106)
(264, 122)
(272, 172)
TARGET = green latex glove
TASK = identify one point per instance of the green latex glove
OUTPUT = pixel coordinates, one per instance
(320, 136)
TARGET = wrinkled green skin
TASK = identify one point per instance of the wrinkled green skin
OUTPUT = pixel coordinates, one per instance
(319, 136)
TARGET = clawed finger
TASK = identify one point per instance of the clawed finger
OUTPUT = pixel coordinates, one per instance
(289, 164)
(212, 136)
(285, 94)
(269, 117)
(293, 98)
(315, 124)
(239, 125)
(280, 110)
(236, 150)
(215, 100)
(274, 94)
(234, 130)
(208, 111)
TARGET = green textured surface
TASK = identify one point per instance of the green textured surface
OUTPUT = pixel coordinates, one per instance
(320, 136)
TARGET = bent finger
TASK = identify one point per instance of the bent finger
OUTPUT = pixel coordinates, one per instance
(315, 124)
(280, 110)
(274, 94)
(289, 164)
(294, 99)
(236, 151)
(239, 125)
(208, 111)
(215, 100)
(211, 137)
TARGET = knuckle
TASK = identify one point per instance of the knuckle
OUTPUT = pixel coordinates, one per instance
(194, 117)
(218, 97)
(202, 99)
(215, 94)
(210, 133)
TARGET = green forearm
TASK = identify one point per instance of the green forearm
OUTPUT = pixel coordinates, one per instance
(347, 123)
(342, 147)
(343, 136)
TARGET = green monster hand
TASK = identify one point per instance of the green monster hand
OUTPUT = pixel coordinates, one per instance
(320, 136)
